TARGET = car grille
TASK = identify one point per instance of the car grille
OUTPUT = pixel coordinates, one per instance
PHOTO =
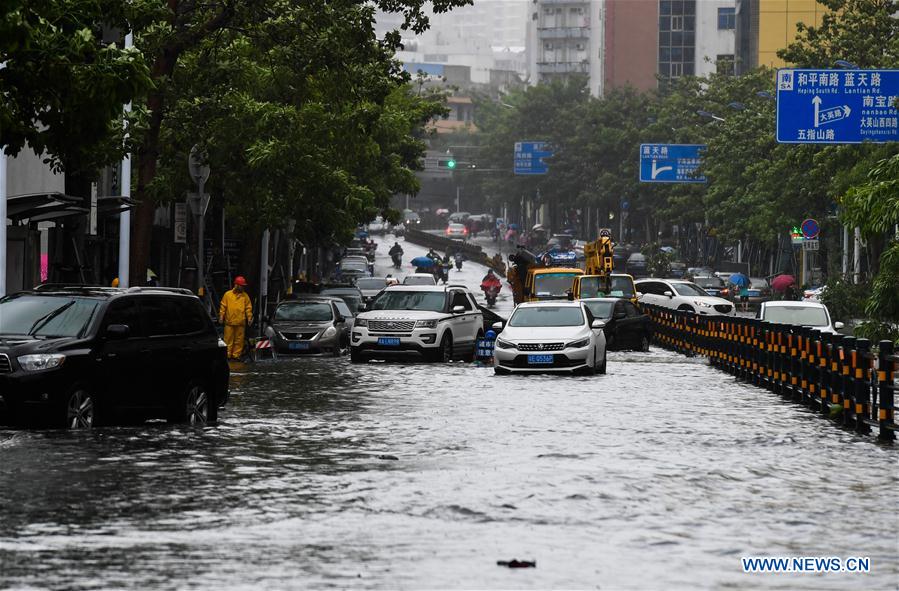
(299, 336)
(5, 365)
(390, 325)
(541, 346)
(724, 308)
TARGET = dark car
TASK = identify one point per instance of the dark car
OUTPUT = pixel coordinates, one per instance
(350, 294)
(311, 324)
(626, 326)
(677, 270)
(77, 357)
(636, 265)
(714, 286)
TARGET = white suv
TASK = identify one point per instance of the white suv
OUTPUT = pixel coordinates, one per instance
(682, 295)
(436, 323)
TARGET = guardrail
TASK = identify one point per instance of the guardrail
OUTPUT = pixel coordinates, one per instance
(837, 375)
(472, 252)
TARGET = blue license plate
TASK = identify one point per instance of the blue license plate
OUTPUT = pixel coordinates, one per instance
(540, 359)
(753, 293)
(388, 341)
(298, 346)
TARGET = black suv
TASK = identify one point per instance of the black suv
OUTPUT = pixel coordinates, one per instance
(76, 357)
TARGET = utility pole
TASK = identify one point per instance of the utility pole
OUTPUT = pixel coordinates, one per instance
(125, 214)
(263, 279)
(3, 243)
(857, 257)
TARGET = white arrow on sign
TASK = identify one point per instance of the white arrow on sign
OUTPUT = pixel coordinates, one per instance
(829, 115)
(657, 171)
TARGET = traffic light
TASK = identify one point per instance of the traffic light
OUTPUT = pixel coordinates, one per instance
(448, 163)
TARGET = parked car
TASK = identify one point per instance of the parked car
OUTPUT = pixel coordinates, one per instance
(813, 294)
(430, 322)
(636, 265)
(419, 279)
(682, 295)
(714, 286)
(699, 272)
(457, 231)
(411, 219)
(311, 324)
(558, 336)
(813, 314)
(626, 327)
(370, 287)
(759, 290)
(678, 270)
(350, 294)
(79, 357)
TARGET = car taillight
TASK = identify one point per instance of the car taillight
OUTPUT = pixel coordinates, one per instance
(447, 231)
(725, 291)
(465, 230)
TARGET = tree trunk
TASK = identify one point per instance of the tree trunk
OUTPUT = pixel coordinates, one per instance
(147, 158)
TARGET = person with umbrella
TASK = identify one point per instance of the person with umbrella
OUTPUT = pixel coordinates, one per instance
(785, 284)
(742, 282)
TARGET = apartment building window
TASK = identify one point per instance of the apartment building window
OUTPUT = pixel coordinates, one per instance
(548, 46)
(677, 38)
(726, 64)
(727, 18)
(577, 10)
(676, 70)
(677, 22)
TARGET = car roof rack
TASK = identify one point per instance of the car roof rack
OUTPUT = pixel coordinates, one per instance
(178, 290)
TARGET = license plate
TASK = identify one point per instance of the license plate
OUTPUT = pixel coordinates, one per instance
(388, 341)
(540, 359)
(297, 346)
(753, 293)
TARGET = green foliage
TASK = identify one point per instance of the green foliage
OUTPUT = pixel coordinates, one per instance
(658, 262)
(844, 299)
(63, 86)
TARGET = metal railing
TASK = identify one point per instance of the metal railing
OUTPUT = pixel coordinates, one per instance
(837, 375)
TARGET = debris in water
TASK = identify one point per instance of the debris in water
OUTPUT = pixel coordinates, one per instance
(515, 563)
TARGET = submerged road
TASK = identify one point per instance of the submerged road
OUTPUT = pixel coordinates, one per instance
(322, 474)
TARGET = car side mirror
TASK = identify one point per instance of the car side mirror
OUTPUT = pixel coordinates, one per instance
(497, 326)
(669, 294)
(118, 331)
(339, 319)
(620, 315)
(839, 325)
(458, 309)
(598, 324)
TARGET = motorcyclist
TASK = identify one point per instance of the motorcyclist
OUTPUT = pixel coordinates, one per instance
(490, 280)
(445, 266)
(395, 249)
(458, 258)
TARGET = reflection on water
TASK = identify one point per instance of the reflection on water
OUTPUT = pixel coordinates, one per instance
(325, 474)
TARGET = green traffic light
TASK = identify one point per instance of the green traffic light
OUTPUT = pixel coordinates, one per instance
(451, 164)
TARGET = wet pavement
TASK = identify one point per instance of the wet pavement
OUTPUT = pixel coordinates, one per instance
(323, 474)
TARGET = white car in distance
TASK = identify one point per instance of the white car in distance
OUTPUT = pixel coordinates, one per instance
(682, 295)
(557, 336)
(812, 314)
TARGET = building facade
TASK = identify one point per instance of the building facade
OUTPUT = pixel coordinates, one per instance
(766, 26)
(716, 23)
(631, 44)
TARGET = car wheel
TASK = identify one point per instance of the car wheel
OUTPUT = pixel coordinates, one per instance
(602, 366)
(195, 407)
(355, 355)
(445, 351)
(80, 409)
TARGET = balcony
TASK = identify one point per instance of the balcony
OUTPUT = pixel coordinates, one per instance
(579, 67)
(563, 32)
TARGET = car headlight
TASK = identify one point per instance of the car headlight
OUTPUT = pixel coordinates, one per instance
(426, 324)
(704, 304)
(579, 344)
(361, 322)
(501, 344)
(329, 332)
(41, 361)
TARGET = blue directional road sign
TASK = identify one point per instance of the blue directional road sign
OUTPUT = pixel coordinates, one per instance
(529, 158)
(671, 163)
(837, 106)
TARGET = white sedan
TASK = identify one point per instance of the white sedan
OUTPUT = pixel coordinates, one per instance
(558, 336)
(811, 314)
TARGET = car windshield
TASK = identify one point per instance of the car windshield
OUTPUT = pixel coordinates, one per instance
(621, 288)
(799, 315)
(46, 315)
(419, 281)
(553, 284)
(426, 301)
(304, 312)
(547, 316)
(353, 300)
(600, 309)
(371, 283)
(689, 289)
(708, 282)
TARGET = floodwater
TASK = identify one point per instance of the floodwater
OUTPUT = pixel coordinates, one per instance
(323, 474)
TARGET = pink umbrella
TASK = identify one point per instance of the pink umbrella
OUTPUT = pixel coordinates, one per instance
(782, 282)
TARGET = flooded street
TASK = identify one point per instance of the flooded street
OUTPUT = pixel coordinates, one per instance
(661, 474)
(323, 474)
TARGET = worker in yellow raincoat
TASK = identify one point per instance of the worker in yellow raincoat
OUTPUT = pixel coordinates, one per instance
(236, 312)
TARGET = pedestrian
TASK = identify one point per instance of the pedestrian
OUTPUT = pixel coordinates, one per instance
(236, 312)
(744, 296)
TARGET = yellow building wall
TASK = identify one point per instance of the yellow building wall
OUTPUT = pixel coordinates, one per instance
(777, 25)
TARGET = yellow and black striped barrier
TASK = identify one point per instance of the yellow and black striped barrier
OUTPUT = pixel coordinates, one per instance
(837, 375)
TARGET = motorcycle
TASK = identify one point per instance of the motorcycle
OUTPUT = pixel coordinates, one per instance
(397, 260)
(491, 290)
(458, 260)
(444, 272)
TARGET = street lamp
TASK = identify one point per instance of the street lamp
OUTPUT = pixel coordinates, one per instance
(708, 115)
(737, 106)
(765, 95)
(846, 65)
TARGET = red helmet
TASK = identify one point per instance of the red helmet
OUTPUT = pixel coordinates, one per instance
(239, 280)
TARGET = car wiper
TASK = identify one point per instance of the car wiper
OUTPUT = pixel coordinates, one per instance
(46, 318)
